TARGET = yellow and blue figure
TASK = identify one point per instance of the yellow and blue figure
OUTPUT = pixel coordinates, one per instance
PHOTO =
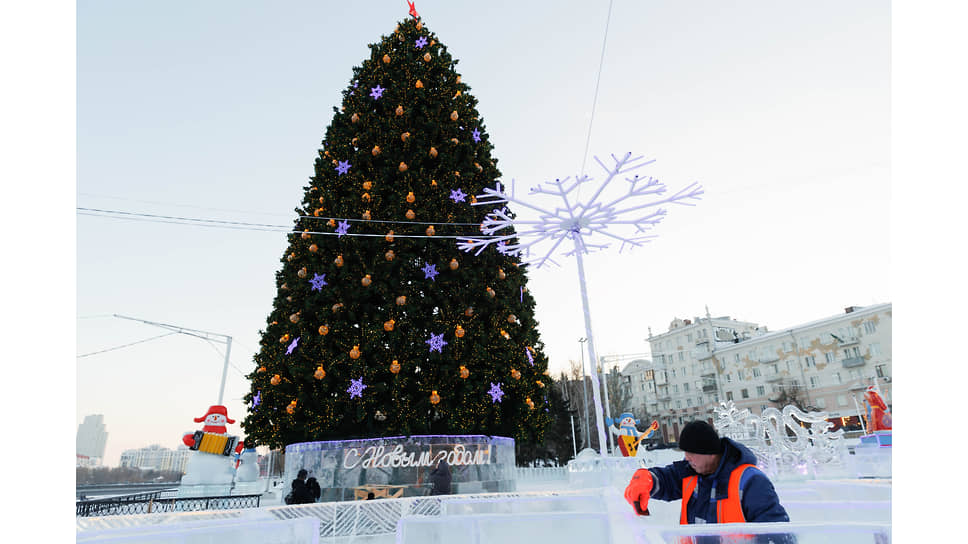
(628, 435)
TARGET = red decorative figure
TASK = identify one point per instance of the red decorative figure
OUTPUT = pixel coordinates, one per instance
(413, 9)
(878, 417)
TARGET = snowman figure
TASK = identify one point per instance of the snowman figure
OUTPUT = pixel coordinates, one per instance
(248, 469)
(628, 435)
(205, 467)
(215, 420)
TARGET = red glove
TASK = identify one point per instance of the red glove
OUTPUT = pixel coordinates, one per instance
(638, 491)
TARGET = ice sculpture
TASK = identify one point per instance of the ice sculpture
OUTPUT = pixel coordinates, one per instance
(787, 443)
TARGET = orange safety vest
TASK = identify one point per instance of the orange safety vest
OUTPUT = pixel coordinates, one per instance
(728, 510)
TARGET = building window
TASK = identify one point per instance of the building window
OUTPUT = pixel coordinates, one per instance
(830, 356)
(776, 369)
(837, 378)
(689, 402)
(756, 373)
(675, 388)
(729, 378)
(679, 404)
(685, 387)
(760, 390)
(673, 372)
(810, 360)
(682, 356)
(841, 400)
(814, 381)
(875, 349)
(739, 374)
(736, 357)
(855, 350)
(881, 371)
(745, 393)
(689, 337)
(870, 327)
(729, 395)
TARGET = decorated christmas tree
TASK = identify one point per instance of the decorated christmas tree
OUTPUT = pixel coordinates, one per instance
(380, 325)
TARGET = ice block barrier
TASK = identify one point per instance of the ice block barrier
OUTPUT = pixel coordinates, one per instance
(236, 531)
(777, 533)
(558, 527)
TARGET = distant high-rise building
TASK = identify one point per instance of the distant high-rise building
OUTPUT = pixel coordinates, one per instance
(91, 439)
(156, 457)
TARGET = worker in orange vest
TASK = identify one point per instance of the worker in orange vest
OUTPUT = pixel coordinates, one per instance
(717, 481)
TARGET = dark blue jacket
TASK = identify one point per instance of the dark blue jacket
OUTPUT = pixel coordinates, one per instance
(757, 496)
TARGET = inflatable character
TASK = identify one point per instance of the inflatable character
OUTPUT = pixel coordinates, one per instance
(878, 415)
(628, 436)
(213, 461)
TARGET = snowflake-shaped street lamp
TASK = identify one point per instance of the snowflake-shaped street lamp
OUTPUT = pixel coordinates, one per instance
(625, 218)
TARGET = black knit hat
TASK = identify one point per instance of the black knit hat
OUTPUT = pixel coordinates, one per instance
(700, 437)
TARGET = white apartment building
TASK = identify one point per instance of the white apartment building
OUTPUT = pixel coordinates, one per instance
(157, 457)
(825, 363)
(685, 375)
(828, 363)
(91, 440)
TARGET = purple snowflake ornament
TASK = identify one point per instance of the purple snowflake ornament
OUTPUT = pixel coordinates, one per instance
(421, 42)
(436, 342)
(476, 135)
(457, 195)
(495, 392)
(318, 282)
(342, 228)
(430, 271)
(292, 346)
(356, 388)
(377, 92)
(343, 167)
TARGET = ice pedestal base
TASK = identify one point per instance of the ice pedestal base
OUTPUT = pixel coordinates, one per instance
(400, 466)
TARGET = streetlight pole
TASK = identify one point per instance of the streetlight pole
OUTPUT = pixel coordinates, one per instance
(584, 390)
(205, 335)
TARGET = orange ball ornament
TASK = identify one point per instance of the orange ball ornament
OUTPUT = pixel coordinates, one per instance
(459, 332)
(323, 330)
(395, 367)
(365, 197)
(401, 300)
(490, 292)
(515, 374)
(500, 274)
(294, 317)
(366, 215)
(433, 152)
(430, 230)
(512, 319)
(302, 272)
(399, 111)
(388, 325)
(261, 369)
(375, 151)
(464, 373)
(284, 339)
(366, 281)
(305, 235)
(355, 118)
(454, 265)
(434, 397)
(390, 255)
(338, 260)
(418, 84)
(320, 373)
(389, 236)
(314, 248)
(331, 222)
(454, 116)
(426, 57)
(529, 402)
(355, 352)
(410, 214)
(403, 138)
(469, 312)
(337, 306)
(291, 408)
(505, 334)
(402, 167)
(410, 197)
(276, 379)
(386, 59)
(367, 185)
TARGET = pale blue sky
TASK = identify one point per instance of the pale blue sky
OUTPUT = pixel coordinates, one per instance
(216, 109)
